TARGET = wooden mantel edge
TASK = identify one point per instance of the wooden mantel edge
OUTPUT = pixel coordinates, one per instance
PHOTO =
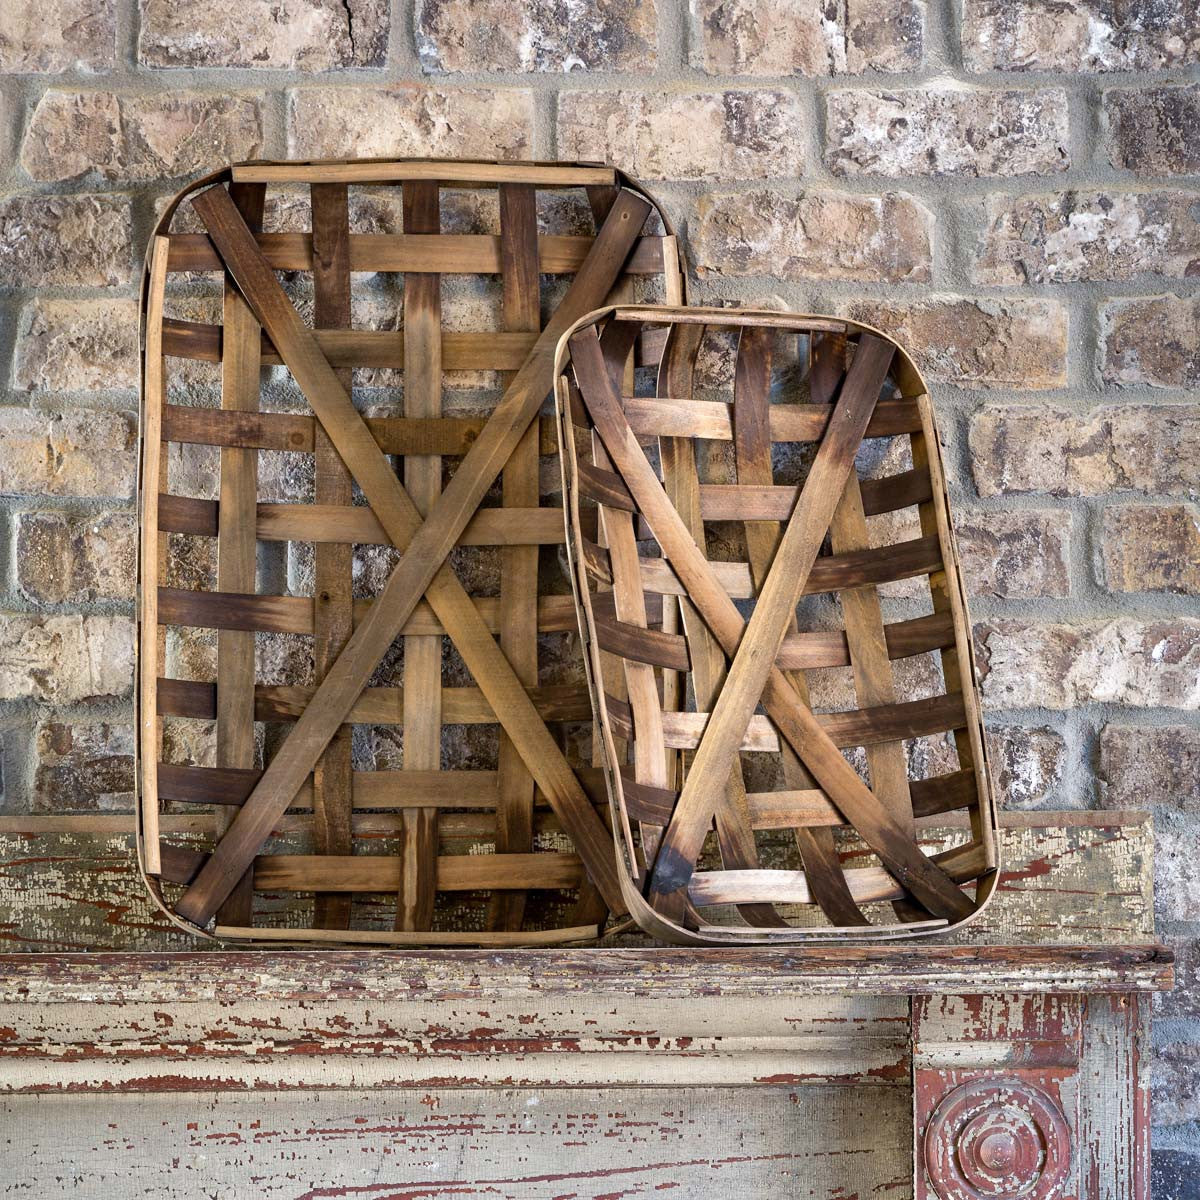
(429, 975)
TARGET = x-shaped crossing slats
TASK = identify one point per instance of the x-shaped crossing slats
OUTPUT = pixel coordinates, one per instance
(422, 571)
(752, 646)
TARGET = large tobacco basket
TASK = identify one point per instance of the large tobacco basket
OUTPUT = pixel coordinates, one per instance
(339, 741)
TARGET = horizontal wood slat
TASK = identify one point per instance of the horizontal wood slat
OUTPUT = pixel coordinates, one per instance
(375, 706)
(449, 436)
(443, 253)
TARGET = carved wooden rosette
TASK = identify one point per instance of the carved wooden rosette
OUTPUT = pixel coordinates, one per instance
(997, 1138)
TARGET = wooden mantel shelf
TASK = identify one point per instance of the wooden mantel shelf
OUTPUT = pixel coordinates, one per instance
(1009, 1061)
(330, 976)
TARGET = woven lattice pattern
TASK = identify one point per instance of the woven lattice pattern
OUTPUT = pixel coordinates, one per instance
(357, 639)
(779, 647)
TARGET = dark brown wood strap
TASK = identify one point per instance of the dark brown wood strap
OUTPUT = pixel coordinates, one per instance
(236, 548)
(333, 603)
(521, 312)
(795, 721)
(427, 546)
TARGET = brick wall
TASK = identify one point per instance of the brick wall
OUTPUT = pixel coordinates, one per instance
(1011, 186)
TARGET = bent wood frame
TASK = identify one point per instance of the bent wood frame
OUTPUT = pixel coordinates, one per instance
(678, 673)
(412, 835)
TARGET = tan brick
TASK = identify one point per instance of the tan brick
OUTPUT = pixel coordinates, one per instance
(1152, 340)
(1027, 764)
(1151, 548)
(136, 138)
(63, 559)
(1015, 555)
(806, 37)
(947, 130)
(1148, 448)
(1078, 35)
(1151, 664)
(409, 119)
(1154, 130)
(65, 240)
(742, 134)
(1150, 764)
(511, 35)
(64, 659)
(76, 452)
(77, 345)
(982, 343)
(818, 235)
(1070, 236)
(292, 35)
(83, 766)
(51, 36)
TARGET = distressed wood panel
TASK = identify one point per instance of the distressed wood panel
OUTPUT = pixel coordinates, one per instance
(72, 884)
(527, 1144)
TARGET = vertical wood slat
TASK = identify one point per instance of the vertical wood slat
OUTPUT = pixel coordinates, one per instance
(946, 596)
(423, 480)
(752, 450)
(152, 557)
(333, 616)
(681, 480)
(237, 549)
(521, 313)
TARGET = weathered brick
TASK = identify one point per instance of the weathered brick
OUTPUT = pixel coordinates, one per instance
(292, 35)
(818, 235)
(1151, 548)
(1026, 764)
(64, 659)
(135, 138)
(1016, 555)
(66, 240)
(1153, 340)
(1148, 448)
(77, 345)
(1150, 764)
(1154, 130)
(76, 452)
(408, 119)
(52, 36)
(1152, 664)
(510, 35)
(947, 130)
(981, 343)
(62, 559)
(81, 766)
(1069, 236)
(806, 37)
(744, 134)
(1078, 35)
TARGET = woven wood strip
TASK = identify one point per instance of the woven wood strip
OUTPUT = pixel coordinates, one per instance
(481, 770)
(742, 519)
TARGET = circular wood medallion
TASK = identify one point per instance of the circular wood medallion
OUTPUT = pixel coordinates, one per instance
(997, 1139)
